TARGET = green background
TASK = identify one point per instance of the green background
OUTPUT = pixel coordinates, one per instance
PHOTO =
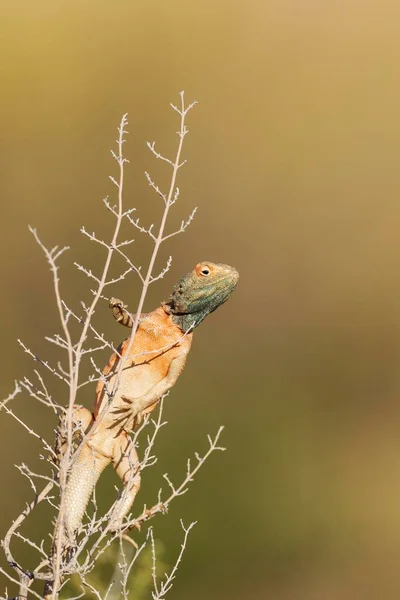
(293, 160)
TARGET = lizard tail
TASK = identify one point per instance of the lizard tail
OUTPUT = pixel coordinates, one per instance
(84, 475)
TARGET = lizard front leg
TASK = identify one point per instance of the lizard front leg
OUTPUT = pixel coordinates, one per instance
(120, 314)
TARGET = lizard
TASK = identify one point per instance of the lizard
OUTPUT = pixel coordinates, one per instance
(151, 368)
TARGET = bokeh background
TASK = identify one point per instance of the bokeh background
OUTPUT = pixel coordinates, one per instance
(293, 160)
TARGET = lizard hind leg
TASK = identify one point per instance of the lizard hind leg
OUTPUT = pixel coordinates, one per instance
(127, 465)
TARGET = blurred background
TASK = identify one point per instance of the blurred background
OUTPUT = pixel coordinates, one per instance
(293, 160)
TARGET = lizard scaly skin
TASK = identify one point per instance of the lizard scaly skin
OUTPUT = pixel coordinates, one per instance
(154, 363)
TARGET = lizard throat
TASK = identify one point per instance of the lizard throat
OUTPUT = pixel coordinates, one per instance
(186, 321)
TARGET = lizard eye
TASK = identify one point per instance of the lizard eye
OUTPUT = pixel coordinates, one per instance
(205, 271)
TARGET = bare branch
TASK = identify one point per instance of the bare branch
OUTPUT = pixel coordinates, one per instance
(29, 430)
(162, 506)
(166, 585)
(146, 230)
(151, 146)
(183, 226)
(119, 278)
(14, 394)
(155, 186)
(87, 272)
(163, 272)
(42, 362)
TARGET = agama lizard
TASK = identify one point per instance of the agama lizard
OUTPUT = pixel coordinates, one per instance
(154, 363)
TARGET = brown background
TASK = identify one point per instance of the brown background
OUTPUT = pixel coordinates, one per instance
(294, 157)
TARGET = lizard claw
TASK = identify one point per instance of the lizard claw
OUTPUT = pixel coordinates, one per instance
(120, 313)
(115, 302)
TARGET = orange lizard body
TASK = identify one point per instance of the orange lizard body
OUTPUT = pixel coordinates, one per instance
(151, 367)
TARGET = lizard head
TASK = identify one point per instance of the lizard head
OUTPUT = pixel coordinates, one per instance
(200, 292)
